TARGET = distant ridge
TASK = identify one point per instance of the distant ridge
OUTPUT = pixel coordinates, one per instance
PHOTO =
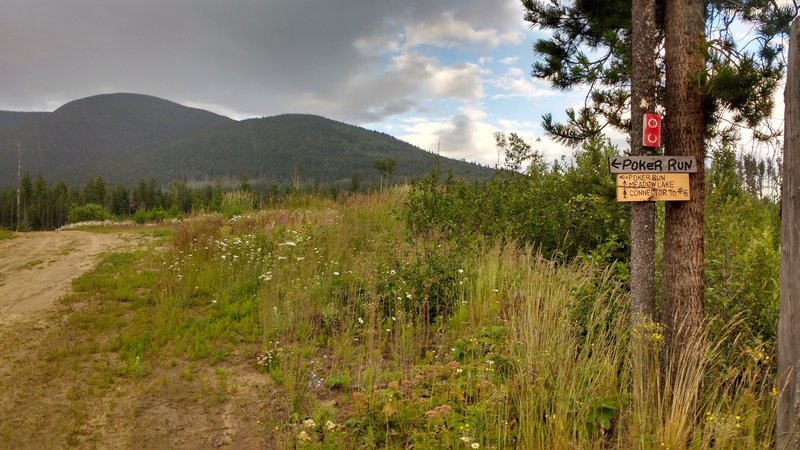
(129, 137)
(97, 127)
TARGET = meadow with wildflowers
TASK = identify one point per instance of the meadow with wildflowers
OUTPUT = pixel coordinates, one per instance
(362, 330)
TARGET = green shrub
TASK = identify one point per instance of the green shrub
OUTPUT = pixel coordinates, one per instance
(156, 215)
(88, 212)
(563, 212)
(742, 241)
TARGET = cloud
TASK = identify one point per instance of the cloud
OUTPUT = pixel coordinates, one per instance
(255, 56)
(448, 31)
(410, 82)
(516, 83)
(464, 135)
(461, 81)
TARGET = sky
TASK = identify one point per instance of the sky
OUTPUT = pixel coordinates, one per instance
(441, 74)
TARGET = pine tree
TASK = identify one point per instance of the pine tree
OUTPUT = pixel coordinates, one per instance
(590, 47)
(702, 77)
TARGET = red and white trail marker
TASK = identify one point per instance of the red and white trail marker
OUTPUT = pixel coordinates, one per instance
(652, 130)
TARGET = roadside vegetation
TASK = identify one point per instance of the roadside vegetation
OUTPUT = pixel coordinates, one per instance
(440, 315)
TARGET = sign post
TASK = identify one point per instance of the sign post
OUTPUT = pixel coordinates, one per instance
(652, 164)
(653, 187)
(652, 178)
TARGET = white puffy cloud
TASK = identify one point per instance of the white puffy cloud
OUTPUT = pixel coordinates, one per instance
(448, 31)
(463, 135)
(462, 81)
(409, 82)
(516, 83)
(510, 61)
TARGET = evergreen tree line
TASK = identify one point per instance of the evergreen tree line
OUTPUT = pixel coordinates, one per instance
(38, 206)
(41, 207)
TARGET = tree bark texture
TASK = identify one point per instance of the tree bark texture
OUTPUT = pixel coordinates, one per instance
(684, 35)
(644, 73)
(788, 432)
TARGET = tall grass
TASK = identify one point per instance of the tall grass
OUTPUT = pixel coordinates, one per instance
(236, 203)
(382, 338)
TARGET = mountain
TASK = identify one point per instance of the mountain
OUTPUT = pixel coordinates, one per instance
(269, 150)
(126, 138)
(94, 128)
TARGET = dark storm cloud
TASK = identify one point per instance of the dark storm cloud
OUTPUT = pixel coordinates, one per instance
(241, 56)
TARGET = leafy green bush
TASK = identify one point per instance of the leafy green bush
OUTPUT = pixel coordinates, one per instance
(88, 212)
(156, 215)
(428, 286)
(743, 264)
(564, 212)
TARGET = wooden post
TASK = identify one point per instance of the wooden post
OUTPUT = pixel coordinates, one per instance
(788, 432)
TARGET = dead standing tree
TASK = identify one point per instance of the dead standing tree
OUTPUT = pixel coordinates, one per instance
(788, 432)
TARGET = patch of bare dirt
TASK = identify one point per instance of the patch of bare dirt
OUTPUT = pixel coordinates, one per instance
(37, 268)
(53, 393)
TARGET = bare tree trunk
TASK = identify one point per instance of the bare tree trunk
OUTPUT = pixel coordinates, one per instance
(645, 38)
(788, 330)
(646, 34)
(684, 33)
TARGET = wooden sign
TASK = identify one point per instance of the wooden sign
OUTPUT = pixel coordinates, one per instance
(652, 164)
(651, 136)
(653, 187)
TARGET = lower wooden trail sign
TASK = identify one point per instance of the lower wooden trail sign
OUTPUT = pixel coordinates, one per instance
(653, 187)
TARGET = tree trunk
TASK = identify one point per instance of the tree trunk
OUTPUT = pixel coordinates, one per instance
(788, 328)
(646, 34)
(684, 22)
(645, 38)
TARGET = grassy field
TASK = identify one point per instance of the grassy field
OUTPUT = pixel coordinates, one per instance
(5, 234)
(353, 333)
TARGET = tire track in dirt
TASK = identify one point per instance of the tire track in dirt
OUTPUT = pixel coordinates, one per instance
(36, 269)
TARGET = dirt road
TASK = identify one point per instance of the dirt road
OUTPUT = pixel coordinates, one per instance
(63, 384)
(37, 268)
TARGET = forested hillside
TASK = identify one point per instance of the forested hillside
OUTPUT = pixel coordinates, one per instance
(84, 131)
(126, 138)
(289, 149)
